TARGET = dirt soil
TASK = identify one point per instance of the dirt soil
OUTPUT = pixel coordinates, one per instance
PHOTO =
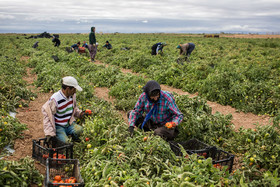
(32, 116)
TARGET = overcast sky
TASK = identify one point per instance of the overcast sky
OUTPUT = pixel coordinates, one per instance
(140, 16)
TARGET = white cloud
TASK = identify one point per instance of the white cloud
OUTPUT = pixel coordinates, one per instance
(200, 14)
(4, 16)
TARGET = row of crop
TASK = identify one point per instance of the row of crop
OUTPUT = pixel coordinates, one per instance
(243, 73)
(111, 156)
(13, 94)
(13, 90)
(238, 72)
(221, 70)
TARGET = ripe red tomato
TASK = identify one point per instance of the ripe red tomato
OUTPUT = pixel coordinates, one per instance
(88, 111)
(145, 138)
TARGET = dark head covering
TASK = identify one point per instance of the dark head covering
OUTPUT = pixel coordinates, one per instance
(151, 86)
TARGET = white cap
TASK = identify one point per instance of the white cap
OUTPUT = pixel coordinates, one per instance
(71, 81)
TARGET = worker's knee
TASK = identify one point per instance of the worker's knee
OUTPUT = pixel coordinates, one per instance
(78, 130)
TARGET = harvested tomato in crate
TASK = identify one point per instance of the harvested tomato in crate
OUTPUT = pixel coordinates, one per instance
(82, 50)
(41, 150)
(219, 157)
(64, 172)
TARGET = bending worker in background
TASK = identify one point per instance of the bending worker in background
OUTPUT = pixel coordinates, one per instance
(186, 49)
(61, 111)
(161, 112)
(157, 48)
(56, 41)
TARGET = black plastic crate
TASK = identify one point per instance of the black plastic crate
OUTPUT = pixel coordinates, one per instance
(66, 169)
(56, 149)
(191, 146)
(219, 157)
(222, 158)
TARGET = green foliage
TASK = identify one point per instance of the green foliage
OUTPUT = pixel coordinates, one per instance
(19, 173)
(10, 129)
(243, 73)
(127, 90)
(13, 88)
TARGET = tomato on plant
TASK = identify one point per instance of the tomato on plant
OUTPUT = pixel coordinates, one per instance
(145, 138)
(88, 111)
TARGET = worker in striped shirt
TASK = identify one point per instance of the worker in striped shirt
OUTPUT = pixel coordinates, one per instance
(61, 111)
(154, 110)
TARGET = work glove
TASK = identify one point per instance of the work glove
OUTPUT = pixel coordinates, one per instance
(131, 130)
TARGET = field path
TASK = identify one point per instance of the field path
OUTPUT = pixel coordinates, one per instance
(239, 119)
(33, 118)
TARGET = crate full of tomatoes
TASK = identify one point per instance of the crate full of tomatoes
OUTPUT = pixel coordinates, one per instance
(219, 157)
(63, 172)
(41, 150)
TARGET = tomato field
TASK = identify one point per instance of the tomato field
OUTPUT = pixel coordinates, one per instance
(241, 72)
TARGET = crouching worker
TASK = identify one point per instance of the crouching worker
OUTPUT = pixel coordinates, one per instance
(61, 111)
(155, 110)
(185, 51)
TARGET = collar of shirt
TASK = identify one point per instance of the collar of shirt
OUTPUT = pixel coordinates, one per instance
(66, 98)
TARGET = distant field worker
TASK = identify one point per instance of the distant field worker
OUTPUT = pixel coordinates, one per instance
(92, 47)
(85, 45)
(35, 45)
(107, 45)
(157, 48)
(186, 49)
(76, 46)
(56, 41)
